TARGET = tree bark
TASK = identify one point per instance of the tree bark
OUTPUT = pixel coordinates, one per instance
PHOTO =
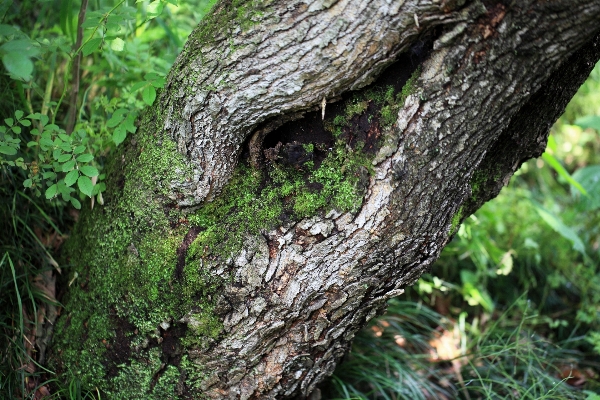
(159, 308)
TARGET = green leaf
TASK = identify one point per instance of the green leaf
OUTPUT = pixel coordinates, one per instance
(589, 177)
(26, 47)
(559, 227)
(85, 185)
(556, 165)
(6, 30)
(32, 144)
(85, 158)
(151, 76)
(137, 86)
(68, 166)
(63, 158)
(25, 122)
(9, 121)
(9, 151)
(49, 175)
(155, 9)
(19, 114)
(158, 83)
(129, 123)
(18, 64)
(91, 46)
(79, 149)
(65, 192)
(589, 121)
(90, 22)
(117, 117)
(51, 191)
(89, 170)
(117, 45)
(64, 137)
(149, 95)
(75, 203)
(71, 177)
(27, 183)
(16, 129)
(119, 135)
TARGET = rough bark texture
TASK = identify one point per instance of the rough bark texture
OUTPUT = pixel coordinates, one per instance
(291, 300)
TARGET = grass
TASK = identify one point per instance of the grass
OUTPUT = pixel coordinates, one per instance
(27, 287)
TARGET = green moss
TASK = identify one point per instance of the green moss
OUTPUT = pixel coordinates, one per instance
(356, 107)
(126, 253)
(218, 23)
(409, 87)
(478, 179)
(124, 282)
(388, 115)
(386, 100)
(256, 201)
(456, 219)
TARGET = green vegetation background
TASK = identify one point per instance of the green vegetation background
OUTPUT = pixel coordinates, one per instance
(509, 311)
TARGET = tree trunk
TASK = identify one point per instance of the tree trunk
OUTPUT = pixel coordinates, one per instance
(283, 187)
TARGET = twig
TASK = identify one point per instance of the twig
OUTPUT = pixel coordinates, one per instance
(72, 114)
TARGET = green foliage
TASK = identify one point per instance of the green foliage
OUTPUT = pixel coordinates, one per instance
(114, 71)
(416, 353)
(26, 284)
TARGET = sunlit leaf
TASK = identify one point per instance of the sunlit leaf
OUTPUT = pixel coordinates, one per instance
(155, 9)
(117, 44)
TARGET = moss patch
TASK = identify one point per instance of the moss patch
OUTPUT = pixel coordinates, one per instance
(142, 264)
(123, 284)
(456, 220)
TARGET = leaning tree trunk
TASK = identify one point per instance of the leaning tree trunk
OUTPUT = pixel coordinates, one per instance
(263, 213)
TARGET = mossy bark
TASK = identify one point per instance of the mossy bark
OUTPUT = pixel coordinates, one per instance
(205, 275)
